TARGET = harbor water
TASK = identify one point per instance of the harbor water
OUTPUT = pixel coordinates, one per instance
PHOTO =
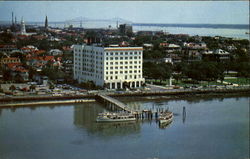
(212, 128)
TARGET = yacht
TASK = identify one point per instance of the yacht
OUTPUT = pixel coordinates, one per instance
(166, 117)
(115, 117)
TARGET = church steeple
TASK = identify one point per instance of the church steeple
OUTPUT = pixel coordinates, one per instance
(46, 23)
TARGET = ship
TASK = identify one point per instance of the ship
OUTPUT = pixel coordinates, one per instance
(166, 118)
(115, 117)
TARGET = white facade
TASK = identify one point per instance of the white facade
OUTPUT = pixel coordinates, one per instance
(23, 30)
(112, 67)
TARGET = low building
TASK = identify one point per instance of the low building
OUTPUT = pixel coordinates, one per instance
(10, 60)
(169, 48)
(55, 52)
(7, 48)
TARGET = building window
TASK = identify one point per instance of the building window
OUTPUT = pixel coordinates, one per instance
(116, 67)
(116, 53)
(116, 63)
(126, 53)
(107, 53)
(121, 58)
(107, 73)
(116, 58)
(111, 63)
(116, 77)
(121, 63)
(131, 62)
(107, 58)
(121, 67)
(111, 72)
(111, 53)
(111, 68)
(130, 57)
(121, 72)
(130, 71)
(126, 58)
(111, 58)
(116, 72)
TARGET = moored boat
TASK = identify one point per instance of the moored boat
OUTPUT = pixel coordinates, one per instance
(166, 117)
(115, 117)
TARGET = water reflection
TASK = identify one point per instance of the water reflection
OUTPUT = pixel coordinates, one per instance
(184, 115)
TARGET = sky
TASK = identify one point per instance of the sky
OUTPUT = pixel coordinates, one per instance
(198, 12)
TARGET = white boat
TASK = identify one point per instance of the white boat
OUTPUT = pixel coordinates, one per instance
(115, 117)
(166, 117)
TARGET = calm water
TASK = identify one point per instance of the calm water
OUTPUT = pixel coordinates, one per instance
(212, 129)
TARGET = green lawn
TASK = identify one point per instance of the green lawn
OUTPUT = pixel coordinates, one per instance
(181, 83)
(240, 81)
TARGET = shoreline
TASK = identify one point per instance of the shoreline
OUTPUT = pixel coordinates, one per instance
(11, 102)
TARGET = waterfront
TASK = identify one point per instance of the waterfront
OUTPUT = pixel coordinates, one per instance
(213, 128)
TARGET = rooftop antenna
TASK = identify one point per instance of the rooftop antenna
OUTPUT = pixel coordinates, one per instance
(81, 24)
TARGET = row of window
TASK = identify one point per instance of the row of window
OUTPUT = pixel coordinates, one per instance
(123, 67)
(123, 58)
(121, 62)
(123, 53)
(126, 77)
(121, 72)
(88, 51)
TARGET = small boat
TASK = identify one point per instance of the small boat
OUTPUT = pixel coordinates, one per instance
(115, 117)
(166, 117)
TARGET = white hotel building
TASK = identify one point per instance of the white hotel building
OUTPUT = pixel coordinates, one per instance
(112, 67)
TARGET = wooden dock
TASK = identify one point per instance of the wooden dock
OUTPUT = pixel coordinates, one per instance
(112, 103)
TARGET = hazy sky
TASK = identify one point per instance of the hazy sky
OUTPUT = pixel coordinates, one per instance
(229, 12)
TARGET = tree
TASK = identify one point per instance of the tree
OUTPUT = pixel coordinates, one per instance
(12, 88)
(32, 87)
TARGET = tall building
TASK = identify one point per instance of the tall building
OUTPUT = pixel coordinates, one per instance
(111, 67)
(23, 30)
(46, 23)
(125, 29)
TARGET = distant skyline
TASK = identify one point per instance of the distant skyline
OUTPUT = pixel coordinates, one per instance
(199, 12)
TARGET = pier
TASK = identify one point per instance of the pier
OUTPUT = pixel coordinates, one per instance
(113, 104)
